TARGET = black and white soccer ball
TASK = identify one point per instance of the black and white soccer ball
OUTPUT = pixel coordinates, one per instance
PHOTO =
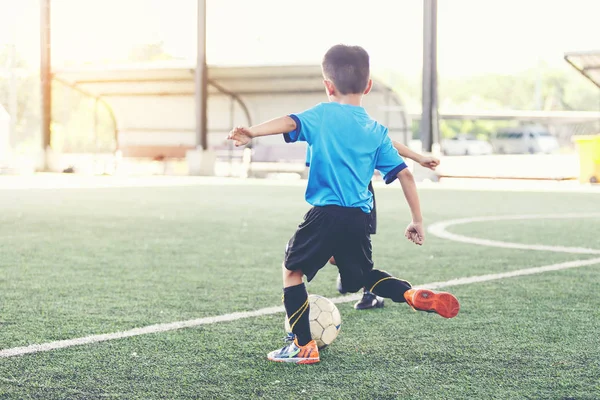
(325, 320)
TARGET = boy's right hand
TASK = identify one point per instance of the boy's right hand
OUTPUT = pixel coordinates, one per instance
(240, 136)
(429, 162)
(415, 233)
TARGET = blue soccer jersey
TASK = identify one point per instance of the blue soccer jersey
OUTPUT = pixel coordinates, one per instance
(345, 146)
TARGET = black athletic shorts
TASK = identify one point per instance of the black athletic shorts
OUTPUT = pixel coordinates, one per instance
(342, 232)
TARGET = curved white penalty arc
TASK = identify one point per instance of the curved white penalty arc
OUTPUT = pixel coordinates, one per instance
(439, 229)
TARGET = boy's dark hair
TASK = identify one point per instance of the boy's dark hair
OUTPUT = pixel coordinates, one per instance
(347, 67)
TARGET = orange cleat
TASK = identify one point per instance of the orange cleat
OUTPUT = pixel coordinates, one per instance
(442, 303)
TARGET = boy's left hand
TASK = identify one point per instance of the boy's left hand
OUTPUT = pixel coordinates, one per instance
(429, 162)
(240, 136)
(415, 233)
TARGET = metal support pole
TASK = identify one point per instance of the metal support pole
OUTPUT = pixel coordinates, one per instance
(231, 126)
(201, 78)
(13, 103)
(45, 77)
(429, 119)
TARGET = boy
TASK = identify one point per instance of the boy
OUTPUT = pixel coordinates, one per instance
(346, 147)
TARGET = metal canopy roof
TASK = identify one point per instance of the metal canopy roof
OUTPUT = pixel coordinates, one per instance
(173, 79)
(587, 63)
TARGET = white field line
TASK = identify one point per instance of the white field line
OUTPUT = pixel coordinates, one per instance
(511, 274)
(59, 344)
(435, 229)
(439, 229)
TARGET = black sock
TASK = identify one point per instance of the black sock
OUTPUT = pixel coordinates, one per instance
(295, 300)
(385, 285)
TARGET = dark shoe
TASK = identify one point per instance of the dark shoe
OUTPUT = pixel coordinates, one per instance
(369, 300)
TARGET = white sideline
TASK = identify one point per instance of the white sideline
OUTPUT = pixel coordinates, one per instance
(437, 229)
(59, 344)
(511, 274)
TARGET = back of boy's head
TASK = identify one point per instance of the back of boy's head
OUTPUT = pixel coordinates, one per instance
(348, 68)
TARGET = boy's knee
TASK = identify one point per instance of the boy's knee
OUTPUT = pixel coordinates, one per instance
(288, 272)
(291, 277)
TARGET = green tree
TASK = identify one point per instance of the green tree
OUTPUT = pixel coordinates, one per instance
(26, 87)
(540, 88)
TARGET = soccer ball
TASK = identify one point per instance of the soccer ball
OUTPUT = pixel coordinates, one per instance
(325, 320)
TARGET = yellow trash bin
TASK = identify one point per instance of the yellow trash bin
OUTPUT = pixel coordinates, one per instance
(588, 147)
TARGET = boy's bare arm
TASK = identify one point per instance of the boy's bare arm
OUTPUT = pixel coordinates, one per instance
(415, 231)
(241, 135)
(425, 161)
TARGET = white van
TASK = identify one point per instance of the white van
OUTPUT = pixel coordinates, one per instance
(524, 139)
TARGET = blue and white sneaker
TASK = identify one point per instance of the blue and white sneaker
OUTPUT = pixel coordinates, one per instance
(294, 353)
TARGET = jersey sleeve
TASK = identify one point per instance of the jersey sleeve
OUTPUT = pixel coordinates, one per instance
(308, 123)
(388, 161)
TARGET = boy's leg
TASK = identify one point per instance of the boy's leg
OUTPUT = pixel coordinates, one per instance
(386, 285)
(302, 349)
(368, 300)
(295, 300)
(307, 252)
(352, 252)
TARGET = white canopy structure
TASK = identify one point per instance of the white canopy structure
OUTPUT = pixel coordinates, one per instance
(153, 105)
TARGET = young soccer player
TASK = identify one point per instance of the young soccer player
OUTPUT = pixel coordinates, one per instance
(346, 147)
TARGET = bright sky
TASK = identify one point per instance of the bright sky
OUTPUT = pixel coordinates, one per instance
(475, 36)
